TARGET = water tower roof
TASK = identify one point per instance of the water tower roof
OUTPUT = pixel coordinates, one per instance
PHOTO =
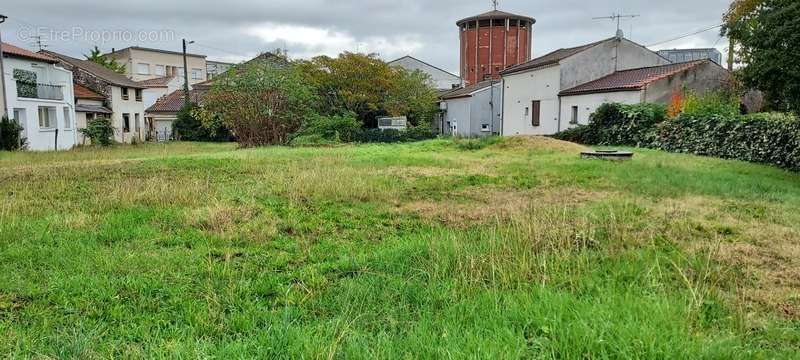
(496, 15)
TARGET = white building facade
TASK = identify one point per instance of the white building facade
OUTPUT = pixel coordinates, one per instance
(531, 101)
(40, 99)
(440, 79)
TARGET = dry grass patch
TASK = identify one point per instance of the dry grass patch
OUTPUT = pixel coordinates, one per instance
(226, 221)
(539, 143)
(766, 252)
(486, 205)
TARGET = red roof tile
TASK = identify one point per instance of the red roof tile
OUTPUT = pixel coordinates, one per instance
(11, 50)
(173, 102)
(631, 80)
(157, 82)
(82, 92)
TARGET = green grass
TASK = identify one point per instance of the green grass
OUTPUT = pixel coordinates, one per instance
(505, 248)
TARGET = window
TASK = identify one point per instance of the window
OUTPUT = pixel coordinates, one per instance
(138, 93)
(67, 119)
(197, 74)
(20, 119)
(574, 119)
(180, 72)
(485, 128)
(143, 69)
(136, 122)
(125, 94)
(536, 108)
(47, 117)
(160, 70)
(126, 123)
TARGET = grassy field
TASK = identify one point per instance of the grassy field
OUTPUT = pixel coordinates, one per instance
(510, 248)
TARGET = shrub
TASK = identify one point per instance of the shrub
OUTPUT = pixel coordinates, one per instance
(10, 135)
(328, 130)
(619, 124)
(263, 102)
(712, 105)
(99, 131)
(474, 144)
(418, 133)
(767, 139)
(579, 134)
(186, 127)
(709, 126)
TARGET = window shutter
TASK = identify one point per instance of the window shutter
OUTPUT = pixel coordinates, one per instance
(535, 112)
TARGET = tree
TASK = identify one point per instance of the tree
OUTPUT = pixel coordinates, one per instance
(368, 87)
(412, 96)
(263, 102)
(767, 35)
(10, 135)
(96, 56)
(354, 83)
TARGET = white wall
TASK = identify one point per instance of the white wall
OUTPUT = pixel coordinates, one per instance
(441, 79)
(132, 107)
(520, 91)
(588, 104)
(458, 115)
(43, 139)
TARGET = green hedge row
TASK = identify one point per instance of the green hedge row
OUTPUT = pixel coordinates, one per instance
(761, 138)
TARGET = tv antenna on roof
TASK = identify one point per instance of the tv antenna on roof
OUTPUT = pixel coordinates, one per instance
(495, 3)
(616, 17)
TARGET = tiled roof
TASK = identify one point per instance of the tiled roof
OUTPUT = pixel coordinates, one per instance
(95, 69)
(550, 59)
(466, 91)
(94, 109)
(631, 80)
(170, 52)
(496, 14)
(173, 102)
(157, 82)
(82, 92)
(11, 50)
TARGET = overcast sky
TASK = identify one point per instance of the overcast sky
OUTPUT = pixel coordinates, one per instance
(235, 30)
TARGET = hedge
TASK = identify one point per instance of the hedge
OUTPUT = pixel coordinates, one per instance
(761, 138)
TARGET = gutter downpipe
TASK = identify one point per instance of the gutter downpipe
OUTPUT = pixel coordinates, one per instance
(558, 130)
(502, 106)
(3, 72)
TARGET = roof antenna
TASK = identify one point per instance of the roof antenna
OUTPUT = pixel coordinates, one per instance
(494, 4)
(617, 17)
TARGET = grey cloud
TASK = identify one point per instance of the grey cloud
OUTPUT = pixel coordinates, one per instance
(219, 25)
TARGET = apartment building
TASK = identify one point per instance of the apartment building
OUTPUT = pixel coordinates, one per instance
(147, 64)
(39, 98)
(123, 97)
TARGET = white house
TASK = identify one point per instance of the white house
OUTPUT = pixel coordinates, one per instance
(655, 84)
(442, 80)
(473, 111)
(39, 97)
(123, 96)
(531, 102)
(157, 88)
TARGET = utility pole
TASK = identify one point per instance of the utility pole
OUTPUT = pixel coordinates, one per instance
(186, 74)
(2, 72)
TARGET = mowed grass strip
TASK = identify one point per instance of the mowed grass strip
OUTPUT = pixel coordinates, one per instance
(502, 248)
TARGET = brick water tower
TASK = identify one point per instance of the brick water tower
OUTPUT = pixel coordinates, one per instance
(492, 42)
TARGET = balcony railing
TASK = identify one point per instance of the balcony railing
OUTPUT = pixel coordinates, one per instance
(39, 91)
